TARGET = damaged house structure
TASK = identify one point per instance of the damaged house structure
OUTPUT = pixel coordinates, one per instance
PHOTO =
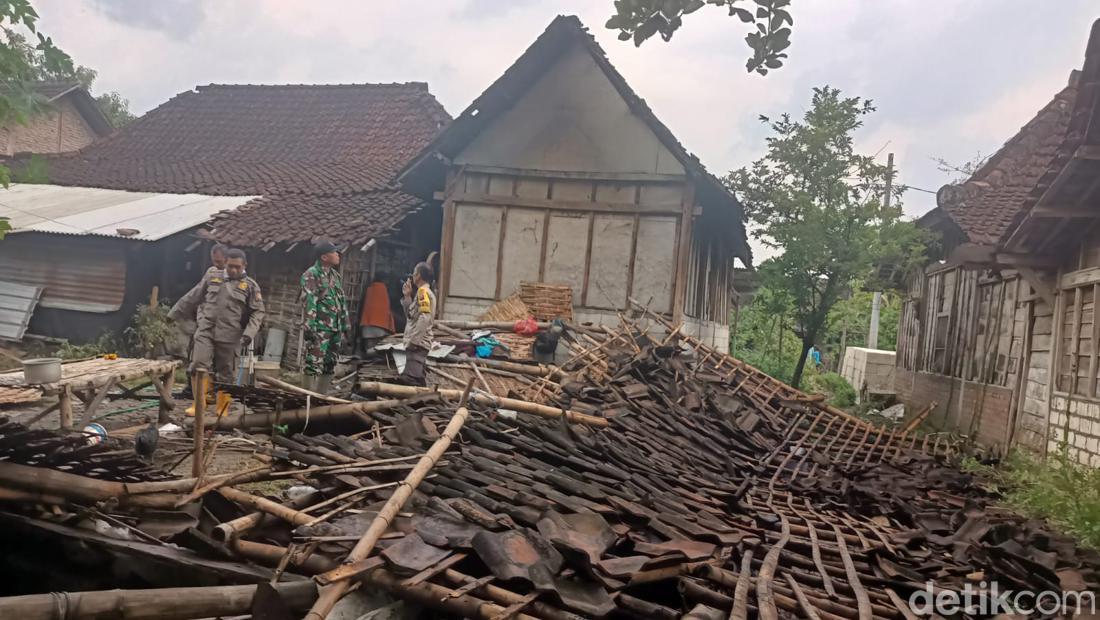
(1000, 334)
(560, 173)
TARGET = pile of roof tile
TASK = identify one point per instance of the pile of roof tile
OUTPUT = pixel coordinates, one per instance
(714, 491)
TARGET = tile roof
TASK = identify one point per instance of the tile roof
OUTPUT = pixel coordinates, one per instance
(306, 148)
(559, 37)
(995, 197)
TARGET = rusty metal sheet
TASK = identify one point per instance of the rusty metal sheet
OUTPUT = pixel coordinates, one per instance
(519, 554)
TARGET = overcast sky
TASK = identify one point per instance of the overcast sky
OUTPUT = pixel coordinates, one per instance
(949, 79)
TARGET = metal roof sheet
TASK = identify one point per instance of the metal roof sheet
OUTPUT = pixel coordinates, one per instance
(108, 212)
(17, 302)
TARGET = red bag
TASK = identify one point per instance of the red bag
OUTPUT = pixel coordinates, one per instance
(526, 327)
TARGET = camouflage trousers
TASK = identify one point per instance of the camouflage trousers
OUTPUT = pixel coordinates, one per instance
(320, 352)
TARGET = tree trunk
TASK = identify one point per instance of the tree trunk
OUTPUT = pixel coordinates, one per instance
(807, 343)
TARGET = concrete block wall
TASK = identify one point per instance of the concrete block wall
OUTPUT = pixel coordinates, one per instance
(1075, 424)
(869, 371)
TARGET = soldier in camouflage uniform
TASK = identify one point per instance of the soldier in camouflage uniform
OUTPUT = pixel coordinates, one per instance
(326, 317)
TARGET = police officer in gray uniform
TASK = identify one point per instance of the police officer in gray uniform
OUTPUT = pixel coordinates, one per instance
(230, 310)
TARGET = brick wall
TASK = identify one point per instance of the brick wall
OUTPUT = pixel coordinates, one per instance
(56, 130)
(963, 406)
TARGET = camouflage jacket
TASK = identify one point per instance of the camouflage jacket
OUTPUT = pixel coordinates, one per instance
(326, 307)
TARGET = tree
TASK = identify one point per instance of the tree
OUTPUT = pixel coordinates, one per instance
(638, 20)
(18, 70)
(114, 106)
(818, 202)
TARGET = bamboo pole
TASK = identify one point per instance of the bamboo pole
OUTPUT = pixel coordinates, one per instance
(533, 370)
(299, 416)
(198, 383)
(261, 504)
(153, 604)
(486, 400)
(51, 482)
(330, 594)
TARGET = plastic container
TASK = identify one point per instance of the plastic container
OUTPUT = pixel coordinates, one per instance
(42, 370)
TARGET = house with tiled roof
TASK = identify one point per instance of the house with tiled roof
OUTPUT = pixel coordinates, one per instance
(999, 333)
(559, 172)
(294, 164)
(69, 120)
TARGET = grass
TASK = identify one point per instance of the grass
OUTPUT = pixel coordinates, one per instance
(1059, 490)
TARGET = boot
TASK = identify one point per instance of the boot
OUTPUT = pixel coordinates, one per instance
(324, 382)
(204, 392)
(222, 406)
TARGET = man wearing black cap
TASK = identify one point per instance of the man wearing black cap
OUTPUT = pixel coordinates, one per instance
(326, 316)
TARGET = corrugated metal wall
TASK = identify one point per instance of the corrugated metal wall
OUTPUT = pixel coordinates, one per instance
(88, 275)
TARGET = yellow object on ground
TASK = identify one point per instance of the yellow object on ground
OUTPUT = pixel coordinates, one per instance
(224, 400)
(204, 389)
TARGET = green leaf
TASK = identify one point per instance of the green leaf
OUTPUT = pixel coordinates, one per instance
(624, 36)
(692, 6)
(743, 14)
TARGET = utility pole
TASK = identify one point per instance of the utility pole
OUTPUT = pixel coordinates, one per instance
(876, 303)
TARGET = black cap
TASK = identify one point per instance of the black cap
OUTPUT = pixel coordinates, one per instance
(324, 247)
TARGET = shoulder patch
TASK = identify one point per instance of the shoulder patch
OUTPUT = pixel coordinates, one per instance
(424, 300)
(243, 285)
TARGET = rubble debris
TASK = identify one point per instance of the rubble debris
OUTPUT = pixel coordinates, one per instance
(706, 489)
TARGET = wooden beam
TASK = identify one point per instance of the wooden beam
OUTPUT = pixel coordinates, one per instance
(1028, 260)
(1058, 212)
(1042, 285)
(567, 174)
(1082, 277)
(683, 252)
(1087, 151)
(667, 208)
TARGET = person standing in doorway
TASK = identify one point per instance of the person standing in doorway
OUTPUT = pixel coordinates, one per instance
(326, 317)
(230, 310)
(419, 303)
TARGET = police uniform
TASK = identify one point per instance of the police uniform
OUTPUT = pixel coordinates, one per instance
(326, 318)
(227, 310)
(187, 322)
(420, 314)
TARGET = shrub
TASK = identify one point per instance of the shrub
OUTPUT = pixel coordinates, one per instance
(838, 392)
(149, 330)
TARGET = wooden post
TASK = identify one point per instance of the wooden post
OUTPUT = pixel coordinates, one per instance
(683, 252)
(164, 389)
(65, 402)
(153, 296)
(329, 595)
(198, 382)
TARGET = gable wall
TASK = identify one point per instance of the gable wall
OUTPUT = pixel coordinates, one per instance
(572, 119)
(56, 130)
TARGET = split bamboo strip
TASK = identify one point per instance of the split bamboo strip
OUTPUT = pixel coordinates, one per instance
(289, 387)
(332, 593)
(198, 382)
(486, 400)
